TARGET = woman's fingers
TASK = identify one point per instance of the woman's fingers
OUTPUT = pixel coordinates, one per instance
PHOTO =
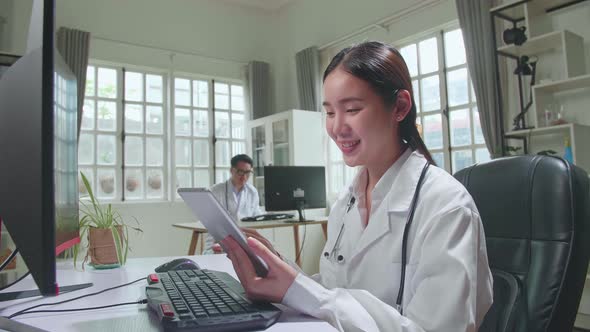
(263, 251)
(240, 260)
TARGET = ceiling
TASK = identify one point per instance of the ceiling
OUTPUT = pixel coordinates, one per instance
(266, 5)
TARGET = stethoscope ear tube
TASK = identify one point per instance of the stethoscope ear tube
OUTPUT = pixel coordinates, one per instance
(400, 294)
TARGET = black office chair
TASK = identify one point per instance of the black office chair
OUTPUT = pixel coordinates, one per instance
(535, 212)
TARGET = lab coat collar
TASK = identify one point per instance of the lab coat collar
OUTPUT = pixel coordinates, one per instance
(397, 187)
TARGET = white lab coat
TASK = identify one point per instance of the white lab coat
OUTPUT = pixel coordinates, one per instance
(448, 284)
(249, 204)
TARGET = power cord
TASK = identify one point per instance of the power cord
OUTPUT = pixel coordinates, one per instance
(302, 243)
(26, 311)
(5, 264)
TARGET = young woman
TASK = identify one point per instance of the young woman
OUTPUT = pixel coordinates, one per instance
(376, 272)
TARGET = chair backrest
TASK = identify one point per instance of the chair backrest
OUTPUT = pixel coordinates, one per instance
(535, 212)
(507, 304)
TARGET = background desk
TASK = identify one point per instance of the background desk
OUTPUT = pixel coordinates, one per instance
(125, 318)
(199, 231)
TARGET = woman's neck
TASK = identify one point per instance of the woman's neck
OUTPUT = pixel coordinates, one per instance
(376, 171)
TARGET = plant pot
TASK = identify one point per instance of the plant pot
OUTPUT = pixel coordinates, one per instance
(101, 247)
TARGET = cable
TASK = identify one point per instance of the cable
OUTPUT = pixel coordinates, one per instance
(302, 243)
(24, 311)
(144, 301)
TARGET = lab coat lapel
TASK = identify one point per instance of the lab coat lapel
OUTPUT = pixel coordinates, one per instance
(396, 198)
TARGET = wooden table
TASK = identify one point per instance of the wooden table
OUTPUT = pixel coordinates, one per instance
(199, 231)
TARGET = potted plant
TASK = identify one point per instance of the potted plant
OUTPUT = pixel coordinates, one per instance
(107, 233)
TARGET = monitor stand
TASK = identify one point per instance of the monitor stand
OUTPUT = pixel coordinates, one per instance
(32, 293)
(300, 203)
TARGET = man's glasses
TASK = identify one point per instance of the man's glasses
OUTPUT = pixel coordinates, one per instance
(242, 172)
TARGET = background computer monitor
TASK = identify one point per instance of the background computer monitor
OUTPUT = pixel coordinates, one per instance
(38, 152)
(294, 188)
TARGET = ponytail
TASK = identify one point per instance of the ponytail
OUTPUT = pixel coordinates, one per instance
(409, 133)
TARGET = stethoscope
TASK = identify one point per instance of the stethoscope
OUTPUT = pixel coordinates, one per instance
(227, 199)
(334, 254)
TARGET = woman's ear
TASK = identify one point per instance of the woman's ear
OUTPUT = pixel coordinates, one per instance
(403, 105)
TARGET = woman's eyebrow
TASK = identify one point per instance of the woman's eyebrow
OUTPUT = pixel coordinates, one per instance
(344, 100)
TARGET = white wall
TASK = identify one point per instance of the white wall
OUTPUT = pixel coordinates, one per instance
(15, 16)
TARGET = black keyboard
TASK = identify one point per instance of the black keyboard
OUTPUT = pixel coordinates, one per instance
(269, 216)
(205, 300)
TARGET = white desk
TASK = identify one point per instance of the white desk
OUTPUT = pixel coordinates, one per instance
(124, 318)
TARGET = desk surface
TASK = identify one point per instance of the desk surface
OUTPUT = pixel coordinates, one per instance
(197, 226)
(125, 318)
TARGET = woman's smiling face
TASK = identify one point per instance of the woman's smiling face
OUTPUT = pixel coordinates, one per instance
(358, 120)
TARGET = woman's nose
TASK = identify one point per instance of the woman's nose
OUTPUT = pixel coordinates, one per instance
(339, 125)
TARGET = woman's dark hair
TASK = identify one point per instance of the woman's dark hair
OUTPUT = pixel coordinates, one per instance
(383, 67)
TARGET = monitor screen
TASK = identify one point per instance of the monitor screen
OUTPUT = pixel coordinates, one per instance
(38, 149)
(294, 187)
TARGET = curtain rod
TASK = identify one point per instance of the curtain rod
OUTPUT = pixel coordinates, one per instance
(385, 22)
(210, 58)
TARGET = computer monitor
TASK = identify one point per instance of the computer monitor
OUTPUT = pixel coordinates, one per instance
(294, 188)
(38, 153)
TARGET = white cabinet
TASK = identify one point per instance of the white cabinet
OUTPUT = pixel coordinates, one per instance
(289, 138)
(562, 83)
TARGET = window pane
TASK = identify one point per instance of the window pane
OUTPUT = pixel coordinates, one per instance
(458, 88)
(201, 120)
(201, 94)
(237, 98)
(416, 90)
(454, 48)
(335, 153)
(133, 86)
(201, 152)
(439, 159)
(133, 183)
(90, 82)
(106, 183)
(221, 175)
(337, 177)
(154, 184)
(202, 178)
(154, 120)
(86, 149)
(88, 115)
(183, 152)
(482, 155)
(238, 147)
(182, 122)
(154, 88)
(221, 124)
(222, 156)
(477, 127)
(430, 93)
(105, 150)
(133, 151)
(461, 159)
(428, 56)
(183, 178)
(154, 151)
(221, 96)
(107, 83)
(107, 115)
(237, 126)
(411, 57)
(460, 128)
(133, 118)
(182, 89)
(433, 131)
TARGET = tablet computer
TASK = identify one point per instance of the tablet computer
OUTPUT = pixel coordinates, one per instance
(218, 222)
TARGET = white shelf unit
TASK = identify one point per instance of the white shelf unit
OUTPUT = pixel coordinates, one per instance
(569, 43)
(554, 136)
(289, 138)
(544, 94)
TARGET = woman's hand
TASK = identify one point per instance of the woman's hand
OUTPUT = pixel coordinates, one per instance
(271, 288)
(249, 232)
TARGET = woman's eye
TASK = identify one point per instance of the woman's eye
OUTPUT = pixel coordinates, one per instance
(353, 110)
(330, 114)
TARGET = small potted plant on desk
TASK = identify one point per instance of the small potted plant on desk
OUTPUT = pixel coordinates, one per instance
(107, 233)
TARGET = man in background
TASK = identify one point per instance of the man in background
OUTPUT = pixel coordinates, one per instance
(236, 195)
